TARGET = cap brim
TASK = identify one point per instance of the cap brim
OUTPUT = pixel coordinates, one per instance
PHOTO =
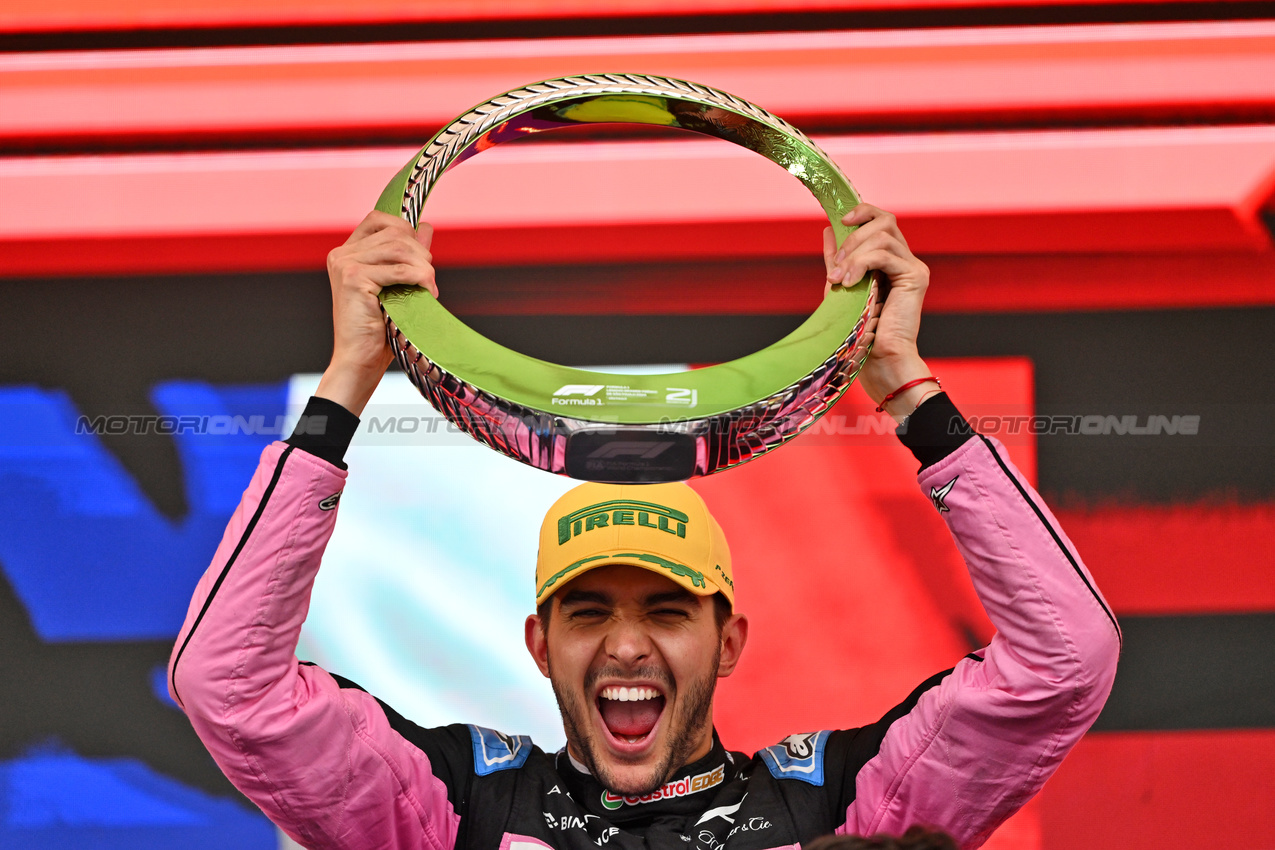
(696, 581)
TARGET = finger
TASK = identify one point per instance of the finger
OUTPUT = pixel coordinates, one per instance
(888, 262)
(874, 218)
(868, 221)
(389, 247)
(875, 244)
(869, 234)
(402, 274)
(425, 234)
(374, 222)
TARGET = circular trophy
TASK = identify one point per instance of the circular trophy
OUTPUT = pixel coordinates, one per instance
(628, 428)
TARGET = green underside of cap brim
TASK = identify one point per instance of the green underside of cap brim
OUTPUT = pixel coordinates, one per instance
(696, 581)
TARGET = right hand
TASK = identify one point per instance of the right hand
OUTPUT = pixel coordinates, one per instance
(879, 244)
(382, 251)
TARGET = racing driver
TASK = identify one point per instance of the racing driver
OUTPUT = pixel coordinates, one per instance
(635, 622)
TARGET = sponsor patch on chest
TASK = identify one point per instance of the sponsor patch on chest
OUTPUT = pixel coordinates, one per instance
(670, 790)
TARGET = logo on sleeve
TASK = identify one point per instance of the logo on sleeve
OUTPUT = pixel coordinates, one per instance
(495, 751)
(797, 757)
(330, 502)
(938, 494)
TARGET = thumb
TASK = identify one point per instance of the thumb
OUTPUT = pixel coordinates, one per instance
(425, 233)
(829, 250)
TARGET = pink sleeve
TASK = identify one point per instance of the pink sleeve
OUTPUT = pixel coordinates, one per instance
(981, 743)
(321, 761)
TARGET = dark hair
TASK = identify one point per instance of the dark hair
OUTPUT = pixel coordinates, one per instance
(721, 612)
(916, 838)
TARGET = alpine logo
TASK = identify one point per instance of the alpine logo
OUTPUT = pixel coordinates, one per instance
(495, 751)
(330, 502)
(938, 494)
(797, 757)
(670, 790)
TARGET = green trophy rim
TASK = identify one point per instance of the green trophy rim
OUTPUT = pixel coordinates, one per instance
(627, 399)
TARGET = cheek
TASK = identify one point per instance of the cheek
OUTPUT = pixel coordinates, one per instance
(570, 659)
(688, 656)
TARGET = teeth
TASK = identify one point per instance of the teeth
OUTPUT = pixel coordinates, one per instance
(620, 694)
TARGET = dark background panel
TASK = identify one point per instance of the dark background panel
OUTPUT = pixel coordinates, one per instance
(1217, 364)
(1197, 672)
(664, 24)
(110, 343)
(97, 699)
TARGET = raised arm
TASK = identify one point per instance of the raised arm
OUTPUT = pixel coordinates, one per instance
(971, 747)
(978, 743)
(321, 758)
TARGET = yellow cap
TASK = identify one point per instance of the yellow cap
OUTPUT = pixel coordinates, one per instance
(665, 528)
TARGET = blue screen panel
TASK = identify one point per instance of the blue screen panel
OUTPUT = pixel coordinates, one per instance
(85, 550)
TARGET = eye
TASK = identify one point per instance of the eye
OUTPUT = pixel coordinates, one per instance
(587, 614)
(671, 613)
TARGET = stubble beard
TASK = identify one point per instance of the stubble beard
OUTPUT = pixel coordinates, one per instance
(692, 713)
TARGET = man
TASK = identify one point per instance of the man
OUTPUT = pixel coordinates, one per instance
(634, 625)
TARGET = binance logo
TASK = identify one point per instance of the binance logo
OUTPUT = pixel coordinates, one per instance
(621, 512)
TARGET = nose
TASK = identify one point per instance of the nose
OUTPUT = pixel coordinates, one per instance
(627, 642)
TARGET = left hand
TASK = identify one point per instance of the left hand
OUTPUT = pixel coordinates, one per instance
(878, 245)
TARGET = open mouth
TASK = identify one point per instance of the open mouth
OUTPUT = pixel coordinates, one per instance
(630, 714)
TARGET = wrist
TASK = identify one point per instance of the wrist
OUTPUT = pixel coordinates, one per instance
(904, 400)
(350, 384)
(886, 378)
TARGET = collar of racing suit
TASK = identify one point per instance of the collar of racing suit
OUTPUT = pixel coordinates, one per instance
(689, 790)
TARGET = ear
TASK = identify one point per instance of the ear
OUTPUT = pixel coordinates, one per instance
(536, 643)
(734, 636)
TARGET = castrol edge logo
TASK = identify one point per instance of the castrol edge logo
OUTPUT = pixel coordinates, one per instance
(670, 790)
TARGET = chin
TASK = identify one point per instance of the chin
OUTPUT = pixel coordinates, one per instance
(632, 775)
(639, 763)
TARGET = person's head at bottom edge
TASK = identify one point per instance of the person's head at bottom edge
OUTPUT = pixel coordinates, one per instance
(635, 621)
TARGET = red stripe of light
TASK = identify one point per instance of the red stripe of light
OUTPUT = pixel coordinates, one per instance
(1051, 72)
(1162, 789)
(981, 284)
(1179, 559)
(1143, 190)
(82, 15)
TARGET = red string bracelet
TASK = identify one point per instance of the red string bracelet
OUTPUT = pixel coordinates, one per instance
(909, 385)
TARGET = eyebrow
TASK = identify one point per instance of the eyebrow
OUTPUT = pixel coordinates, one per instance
(657, 599)
(597, 597)
(579, 597)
